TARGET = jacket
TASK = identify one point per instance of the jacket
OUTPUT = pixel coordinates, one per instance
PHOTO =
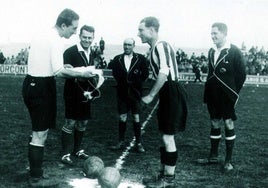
(129, 82)
(229, 71)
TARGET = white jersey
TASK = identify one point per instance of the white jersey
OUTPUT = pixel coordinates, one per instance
(46, 54)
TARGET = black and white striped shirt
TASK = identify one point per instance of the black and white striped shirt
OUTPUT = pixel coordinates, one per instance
(163, 60)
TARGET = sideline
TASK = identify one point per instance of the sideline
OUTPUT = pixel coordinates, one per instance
(121, 160)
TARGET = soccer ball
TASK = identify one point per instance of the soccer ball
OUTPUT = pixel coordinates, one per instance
(109, 178)
(93, 166)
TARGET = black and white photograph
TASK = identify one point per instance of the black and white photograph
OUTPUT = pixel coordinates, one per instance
(134, 93)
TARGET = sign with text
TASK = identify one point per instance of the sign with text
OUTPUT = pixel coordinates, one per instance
(107, 73)
(13, 69)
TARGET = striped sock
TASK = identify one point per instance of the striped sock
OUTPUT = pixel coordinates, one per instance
(215, 137)
(229, 141)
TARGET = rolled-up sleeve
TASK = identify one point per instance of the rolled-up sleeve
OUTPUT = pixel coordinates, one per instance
(163, 58)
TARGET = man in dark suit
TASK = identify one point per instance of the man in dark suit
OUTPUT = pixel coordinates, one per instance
(225, 79)
(130, 70)
(77, 103)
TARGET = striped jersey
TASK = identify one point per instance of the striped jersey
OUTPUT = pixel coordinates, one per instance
(163, 60)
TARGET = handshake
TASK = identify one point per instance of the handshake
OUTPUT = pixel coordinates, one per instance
(89, 71)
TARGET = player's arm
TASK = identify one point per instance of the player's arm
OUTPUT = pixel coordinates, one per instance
(66, 72)
(162, 75)
(60, 70)
(160, 81)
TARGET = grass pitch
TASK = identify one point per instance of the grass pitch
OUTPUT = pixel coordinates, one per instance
(250, 155)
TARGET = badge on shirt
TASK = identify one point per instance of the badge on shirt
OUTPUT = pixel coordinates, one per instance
(222, 70)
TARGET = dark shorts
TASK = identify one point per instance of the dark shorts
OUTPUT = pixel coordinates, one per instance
(39, 94)
(219, 104)
(77, 109)
(77, 106)
(128, 104)
(172, 110)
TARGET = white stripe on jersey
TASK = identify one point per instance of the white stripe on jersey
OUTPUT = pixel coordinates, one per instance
(162, 55)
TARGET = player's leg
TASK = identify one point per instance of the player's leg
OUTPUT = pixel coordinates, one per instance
(122, 124)
(168, 158)
(135, 110)
(214, 106)
(40, 98)
(171, 155)
(36, 152)
(137, 133)
(229, 117)
(215, 137)
(78, 137)
(229, 141)
(169, 115)
(67, 140)
(36, 155)
(122, 127)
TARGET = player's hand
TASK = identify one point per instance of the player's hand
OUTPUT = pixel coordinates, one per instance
(66, 66)
(88, 74)
(147, 99)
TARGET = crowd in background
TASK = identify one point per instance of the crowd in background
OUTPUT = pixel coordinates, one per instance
(256, 60)
(20, 59)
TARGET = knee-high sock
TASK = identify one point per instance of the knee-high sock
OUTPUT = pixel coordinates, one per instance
(215, 137)
(162, 151)
(78, 137)
(36, 155)
(229, 141)
(66, 141)
(122, 129)
(137, 131)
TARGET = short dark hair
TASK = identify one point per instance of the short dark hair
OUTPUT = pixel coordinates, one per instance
(222, 27)
(67, 16)
(87, 28)
(151, 22)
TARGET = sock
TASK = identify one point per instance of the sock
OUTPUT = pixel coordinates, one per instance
(171, 158)
(137, 131)
(229, 141)
(170, 163)
(122, 129)
(78, 137)
(162, 151)
(66, 140)
(215, 137)
(36, 155)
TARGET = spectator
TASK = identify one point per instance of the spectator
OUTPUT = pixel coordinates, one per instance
(102, 45)
(2, 58)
